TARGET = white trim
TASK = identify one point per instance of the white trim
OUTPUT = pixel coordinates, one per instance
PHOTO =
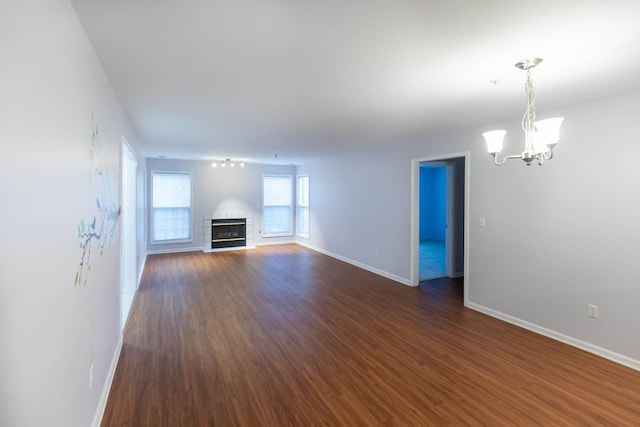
(298, 206)
(377, 271)
(129, 225)
(269, 236)
(414, 234)
(449, 214)
(173, 250)
(457, 274)
(574, 342)
(279, 242)
(198, 249)
(170, 242)
(102, 403)
(467, 228)
(231, 248)
(123, 139)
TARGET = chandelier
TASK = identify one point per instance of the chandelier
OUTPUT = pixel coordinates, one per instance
(227, 162)
(539, 137)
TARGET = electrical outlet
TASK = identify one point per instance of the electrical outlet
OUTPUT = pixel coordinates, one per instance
(91, 376)
(482, 221)
(593, 311)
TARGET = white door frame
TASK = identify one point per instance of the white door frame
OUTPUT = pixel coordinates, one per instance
(128, 222)
(415, 214)
(450, 222)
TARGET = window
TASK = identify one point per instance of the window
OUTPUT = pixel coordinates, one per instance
(277, 205)
(302, 219)
(170, 207)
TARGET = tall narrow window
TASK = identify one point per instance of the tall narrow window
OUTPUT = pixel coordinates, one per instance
(302, 201)
(170, 206)
(277, 195)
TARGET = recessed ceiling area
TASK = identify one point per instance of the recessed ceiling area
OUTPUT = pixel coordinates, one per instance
(249, 78)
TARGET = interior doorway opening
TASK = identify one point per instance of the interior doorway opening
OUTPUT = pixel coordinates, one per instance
(439, 218)
(433, 221)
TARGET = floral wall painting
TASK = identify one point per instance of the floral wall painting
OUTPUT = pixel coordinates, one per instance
(97, 232)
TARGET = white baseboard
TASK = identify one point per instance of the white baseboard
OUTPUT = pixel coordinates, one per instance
(278, 242)
(102, 403)
(232, 248)
(377, 271)
(242, 248)
(457, 275)
(590, 348)
(173, 251)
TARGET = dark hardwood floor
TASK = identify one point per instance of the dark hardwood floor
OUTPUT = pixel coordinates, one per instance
(285, 336)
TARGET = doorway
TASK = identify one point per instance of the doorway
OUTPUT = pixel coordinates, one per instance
(128, 232)
(433, 221)
(439, 217)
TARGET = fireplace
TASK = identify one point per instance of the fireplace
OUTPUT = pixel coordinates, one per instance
(228, 233)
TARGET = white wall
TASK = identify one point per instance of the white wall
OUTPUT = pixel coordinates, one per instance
(220, 189)
(558, 237)
(359, 208)
(52, 330)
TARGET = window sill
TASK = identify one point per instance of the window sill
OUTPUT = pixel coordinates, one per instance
(277, 235)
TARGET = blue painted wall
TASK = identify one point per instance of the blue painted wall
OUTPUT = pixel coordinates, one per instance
(433, 202)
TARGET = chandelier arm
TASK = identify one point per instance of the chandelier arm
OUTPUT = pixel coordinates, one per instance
(549, 155)
(498, 162)
(504, 159)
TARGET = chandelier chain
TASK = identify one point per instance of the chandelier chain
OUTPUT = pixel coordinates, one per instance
(529, 118)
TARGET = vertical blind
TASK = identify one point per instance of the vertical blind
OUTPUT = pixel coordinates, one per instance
(302, 219)
(276, 205)
(171, 206)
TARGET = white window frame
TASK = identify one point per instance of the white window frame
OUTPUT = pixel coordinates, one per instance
(299, 233)
(291, 202)
(151, 208)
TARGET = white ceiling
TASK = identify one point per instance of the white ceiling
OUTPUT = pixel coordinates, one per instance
(205, 79)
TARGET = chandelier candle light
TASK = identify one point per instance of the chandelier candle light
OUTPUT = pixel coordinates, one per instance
(540, 137)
